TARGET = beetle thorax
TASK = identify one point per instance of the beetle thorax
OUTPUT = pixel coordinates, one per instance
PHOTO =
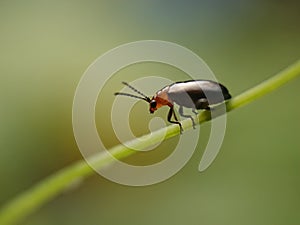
(162, 98)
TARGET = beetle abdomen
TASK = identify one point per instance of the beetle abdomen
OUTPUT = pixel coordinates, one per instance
(188, 93)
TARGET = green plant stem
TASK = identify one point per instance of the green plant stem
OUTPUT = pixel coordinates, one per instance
(38, 195)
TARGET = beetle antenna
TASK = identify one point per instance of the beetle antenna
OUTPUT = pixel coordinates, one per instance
(132, 88)
(147, 99)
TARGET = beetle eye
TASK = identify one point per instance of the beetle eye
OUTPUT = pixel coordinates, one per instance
(153, 104)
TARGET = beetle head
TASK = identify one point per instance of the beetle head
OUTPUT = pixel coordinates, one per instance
(153, 105)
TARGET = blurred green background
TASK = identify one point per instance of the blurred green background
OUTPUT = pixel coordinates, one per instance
(45, 47)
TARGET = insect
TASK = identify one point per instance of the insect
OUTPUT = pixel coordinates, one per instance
(194, 94)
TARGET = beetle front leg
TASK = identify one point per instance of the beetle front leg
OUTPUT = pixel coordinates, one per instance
(171, 112)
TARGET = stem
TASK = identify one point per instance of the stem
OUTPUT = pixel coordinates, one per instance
(38, 195)
(267, 86)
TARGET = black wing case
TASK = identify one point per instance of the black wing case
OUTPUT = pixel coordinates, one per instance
(189, 92)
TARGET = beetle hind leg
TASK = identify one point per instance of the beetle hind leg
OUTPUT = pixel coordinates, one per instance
(187, 116)
(195, 111)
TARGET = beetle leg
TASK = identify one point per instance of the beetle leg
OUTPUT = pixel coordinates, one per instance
(171, 112)
(187, 116)
(202, 103)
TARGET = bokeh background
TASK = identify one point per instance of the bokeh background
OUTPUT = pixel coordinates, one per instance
(45, 47)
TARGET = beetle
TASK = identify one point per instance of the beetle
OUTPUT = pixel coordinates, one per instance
(194, 94)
